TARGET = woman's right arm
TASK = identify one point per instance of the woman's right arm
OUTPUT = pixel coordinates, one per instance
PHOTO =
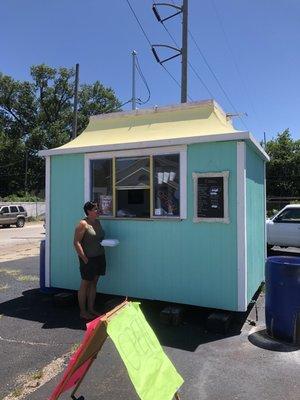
(79, 232)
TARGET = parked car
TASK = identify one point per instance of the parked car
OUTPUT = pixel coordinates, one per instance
(284, 228)
(13, 215)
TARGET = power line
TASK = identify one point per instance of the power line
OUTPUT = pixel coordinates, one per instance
(189, 63)
(150, 44)
(216, 78)
(8, 165)
(137, 20)
(214, 75)
(138, 67)
(232, 55)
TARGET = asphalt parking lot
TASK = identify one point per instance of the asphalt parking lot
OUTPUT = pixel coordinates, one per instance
(37, 338)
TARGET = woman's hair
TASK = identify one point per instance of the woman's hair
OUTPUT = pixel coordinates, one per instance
(89, 205)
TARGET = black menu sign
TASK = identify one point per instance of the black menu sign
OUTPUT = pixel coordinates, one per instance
(210, 197)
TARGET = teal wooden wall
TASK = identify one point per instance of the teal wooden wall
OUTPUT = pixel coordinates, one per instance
(255, 203)
(173, 261)
(67, 196)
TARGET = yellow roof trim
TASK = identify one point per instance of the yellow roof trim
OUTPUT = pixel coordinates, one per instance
(173, 122)
(186, 123)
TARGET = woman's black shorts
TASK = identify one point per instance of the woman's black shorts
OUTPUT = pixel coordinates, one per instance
(95, 266)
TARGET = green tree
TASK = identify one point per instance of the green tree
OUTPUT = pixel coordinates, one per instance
(283, 170)
(39, 115)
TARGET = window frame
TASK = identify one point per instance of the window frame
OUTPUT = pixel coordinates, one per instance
(225, 176)
(181, 150)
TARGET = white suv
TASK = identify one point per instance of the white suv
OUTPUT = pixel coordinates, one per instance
(284, 228)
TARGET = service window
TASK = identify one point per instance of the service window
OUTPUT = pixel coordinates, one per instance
(166, 185)
(101, 185)
(133, 187)
(211, 197)
(146, 186)
(13, 209)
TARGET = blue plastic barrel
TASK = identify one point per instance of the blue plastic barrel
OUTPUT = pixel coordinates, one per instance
(283, 298)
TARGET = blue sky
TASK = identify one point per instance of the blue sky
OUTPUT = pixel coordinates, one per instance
(251, 46)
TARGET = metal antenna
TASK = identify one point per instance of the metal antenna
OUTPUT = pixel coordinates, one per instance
(133, 98)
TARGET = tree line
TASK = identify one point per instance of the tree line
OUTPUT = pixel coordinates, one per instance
(283, 170)
(38, 115)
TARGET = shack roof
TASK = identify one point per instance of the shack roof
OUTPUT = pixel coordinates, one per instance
(193, 122)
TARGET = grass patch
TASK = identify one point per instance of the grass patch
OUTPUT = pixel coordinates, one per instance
(13, 272)
(28, 278)
(37, 375)
(17, 392)
(4, 287)
(74, 347)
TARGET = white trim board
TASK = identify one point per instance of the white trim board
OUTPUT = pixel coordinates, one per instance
(47, 221)
(160, 143)
(241, 228)
(181, 150)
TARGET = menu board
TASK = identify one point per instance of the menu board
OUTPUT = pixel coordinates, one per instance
(210, 197)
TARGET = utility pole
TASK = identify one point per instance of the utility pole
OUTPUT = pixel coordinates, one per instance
(75, 102)
(26, 167)
(184, 51)
(133, 98)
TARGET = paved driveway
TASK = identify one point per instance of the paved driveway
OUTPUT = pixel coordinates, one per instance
(36, 338)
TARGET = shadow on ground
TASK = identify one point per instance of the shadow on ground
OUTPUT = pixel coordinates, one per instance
(191, 332)
(264, 341)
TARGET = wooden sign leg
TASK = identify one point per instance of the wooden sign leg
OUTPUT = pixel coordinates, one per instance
(79, 382)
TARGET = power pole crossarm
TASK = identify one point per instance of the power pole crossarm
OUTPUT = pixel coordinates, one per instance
(184, 47)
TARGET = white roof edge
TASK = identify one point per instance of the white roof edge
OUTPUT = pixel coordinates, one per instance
(157, 109)
(158, 143)
(258, 147)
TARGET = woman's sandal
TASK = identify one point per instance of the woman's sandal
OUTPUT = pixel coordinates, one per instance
(87, 317)
(95, 313)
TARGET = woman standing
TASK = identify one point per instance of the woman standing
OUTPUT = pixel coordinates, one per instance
(87, 238)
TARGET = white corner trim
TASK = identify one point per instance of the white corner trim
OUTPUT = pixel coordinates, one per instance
(87, 177)
(265, 209)
(181, 150)
(258, 147)
(241, 227)
(47, 221)
(225, 176)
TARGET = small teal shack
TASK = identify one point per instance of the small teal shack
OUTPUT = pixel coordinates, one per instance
(182, 190)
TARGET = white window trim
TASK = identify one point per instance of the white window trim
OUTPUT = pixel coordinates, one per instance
(225, 176)
(181, 150)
